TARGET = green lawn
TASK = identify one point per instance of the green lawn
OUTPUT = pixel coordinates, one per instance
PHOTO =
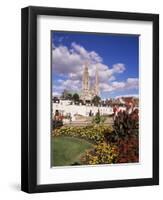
(67, 150)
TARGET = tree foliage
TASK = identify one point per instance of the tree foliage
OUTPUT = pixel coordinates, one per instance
(96, 100)
(75, 97)
(66, 95)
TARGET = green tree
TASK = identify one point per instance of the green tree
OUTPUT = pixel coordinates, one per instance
(66, 95)
(75, 97)
(69, 96)
(96, 100)
(98, 119)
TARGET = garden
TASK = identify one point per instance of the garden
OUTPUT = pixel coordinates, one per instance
(98, 143)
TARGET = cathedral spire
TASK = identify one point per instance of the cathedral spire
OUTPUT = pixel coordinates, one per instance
(88, 93)
(85, 84)
(96, 82)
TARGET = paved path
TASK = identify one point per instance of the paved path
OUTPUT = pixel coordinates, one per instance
(87, 122)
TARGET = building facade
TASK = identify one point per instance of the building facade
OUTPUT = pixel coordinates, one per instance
(66, 108)
(89, 92)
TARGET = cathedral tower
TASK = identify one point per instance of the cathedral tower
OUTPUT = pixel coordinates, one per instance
(96, 82)
(85, 83)
(88, 93)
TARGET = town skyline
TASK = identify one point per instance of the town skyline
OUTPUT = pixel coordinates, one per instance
(71, 50)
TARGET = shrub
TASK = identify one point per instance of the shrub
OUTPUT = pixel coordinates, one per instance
(101, 154)
(98, 119)
(125, 137)
(57, 124)
(128, 149)
(124, 125)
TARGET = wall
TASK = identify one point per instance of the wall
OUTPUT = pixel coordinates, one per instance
(81, 109)
(10, 100)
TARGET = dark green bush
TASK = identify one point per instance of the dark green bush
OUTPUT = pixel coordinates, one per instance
(125, 124)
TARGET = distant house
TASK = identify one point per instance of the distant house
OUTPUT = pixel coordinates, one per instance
(118, 102)
(128, 100)
(131, 100)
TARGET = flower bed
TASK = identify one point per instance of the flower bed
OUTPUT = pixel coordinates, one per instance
(101, 154)
(94, 133)
(117, 144)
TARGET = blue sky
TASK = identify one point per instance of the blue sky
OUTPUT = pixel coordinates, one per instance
(115, 55)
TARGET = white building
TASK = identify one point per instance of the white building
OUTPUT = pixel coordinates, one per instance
(65, 108)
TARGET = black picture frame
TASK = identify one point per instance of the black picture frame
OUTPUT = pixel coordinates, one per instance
(29, 98)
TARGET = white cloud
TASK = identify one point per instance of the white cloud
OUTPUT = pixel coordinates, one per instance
(72, 84)
(64, 61)
(130, 83)
(118, 85)
(118, 68)
(91, 56)
(105, 87)
(56, 94)
(68, 62)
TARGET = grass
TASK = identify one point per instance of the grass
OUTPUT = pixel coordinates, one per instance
(68, 150)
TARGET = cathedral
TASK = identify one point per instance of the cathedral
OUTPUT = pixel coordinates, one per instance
(88, 92)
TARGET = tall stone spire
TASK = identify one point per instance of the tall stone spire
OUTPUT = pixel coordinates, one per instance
(88, 93)
(96, 82)
(85, 84)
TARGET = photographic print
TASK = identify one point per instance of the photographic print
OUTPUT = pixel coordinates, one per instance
(95, 98)
(89, 99)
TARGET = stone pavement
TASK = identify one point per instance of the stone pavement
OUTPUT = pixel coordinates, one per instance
(88, 121)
